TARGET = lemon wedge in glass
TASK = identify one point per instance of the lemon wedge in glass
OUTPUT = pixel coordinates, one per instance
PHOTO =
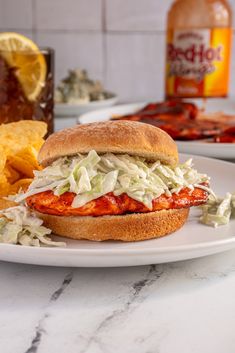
(22, 53)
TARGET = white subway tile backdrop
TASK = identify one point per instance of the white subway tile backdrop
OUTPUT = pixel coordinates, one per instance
(16, 14)
(135, 65)
(136, 15)
(120, 42)
(69, 15)
(84, 50)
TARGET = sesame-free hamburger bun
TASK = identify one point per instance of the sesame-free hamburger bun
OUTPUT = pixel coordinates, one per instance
(133, 138)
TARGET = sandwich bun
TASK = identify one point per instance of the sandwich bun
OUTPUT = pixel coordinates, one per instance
(129, 227)
(120, 137)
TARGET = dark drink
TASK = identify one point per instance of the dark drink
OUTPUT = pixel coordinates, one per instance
(27, 87)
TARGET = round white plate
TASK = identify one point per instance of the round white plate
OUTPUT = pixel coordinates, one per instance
(216, 150)
(65, 109)
(192, 241)
(108, 113)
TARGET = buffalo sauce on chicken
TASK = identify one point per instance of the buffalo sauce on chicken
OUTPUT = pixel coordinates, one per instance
(109, 204)
(181, 121)
(228, 136)
(177, 118)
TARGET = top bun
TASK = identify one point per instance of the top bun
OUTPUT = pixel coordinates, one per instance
(133, 138)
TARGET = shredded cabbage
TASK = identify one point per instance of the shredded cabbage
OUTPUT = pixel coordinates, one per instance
(18, 225)
(218, 211)
(93, 176)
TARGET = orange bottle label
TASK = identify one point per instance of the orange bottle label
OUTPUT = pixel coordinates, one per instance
(198, 62)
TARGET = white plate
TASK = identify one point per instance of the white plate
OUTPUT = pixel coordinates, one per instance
(192, 241)
(216, 150)
(65, 109)
(106, 114)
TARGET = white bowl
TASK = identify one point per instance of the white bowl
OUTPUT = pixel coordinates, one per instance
(74, 110)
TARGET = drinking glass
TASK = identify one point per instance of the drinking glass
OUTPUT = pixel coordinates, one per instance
(17, 103)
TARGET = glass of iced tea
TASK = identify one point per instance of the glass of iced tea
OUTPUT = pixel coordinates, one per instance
(26, 84)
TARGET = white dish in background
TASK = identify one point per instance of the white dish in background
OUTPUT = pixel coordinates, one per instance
(108, 113)
(212, 105)
(200, 147)
(208, 149)
(66, 109)
(192, 241)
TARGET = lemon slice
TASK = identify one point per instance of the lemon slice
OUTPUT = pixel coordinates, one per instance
(23, 54)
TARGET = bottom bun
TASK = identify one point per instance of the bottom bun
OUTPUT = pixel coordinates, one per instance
(130, 227)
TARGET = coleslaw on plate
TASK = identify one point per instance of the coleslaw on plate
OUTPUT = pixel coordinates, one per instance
(19, 225)
(218, 211)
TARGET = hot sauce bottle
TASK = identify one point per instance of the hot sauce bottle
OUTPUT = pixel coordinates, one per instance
(199, 38)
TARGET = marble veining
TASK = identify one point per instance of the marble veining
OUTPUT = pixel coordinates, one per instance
(182, 307)
(39, 329)
(135, 290)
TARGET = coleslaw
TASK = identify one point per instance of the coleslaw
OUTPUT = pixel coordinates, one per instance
(19, 225)
(92, 176)
(218, 211)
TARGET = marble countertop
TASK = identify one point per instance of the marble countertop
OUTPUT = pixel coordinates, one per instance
(182, 307)
(178, 307)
